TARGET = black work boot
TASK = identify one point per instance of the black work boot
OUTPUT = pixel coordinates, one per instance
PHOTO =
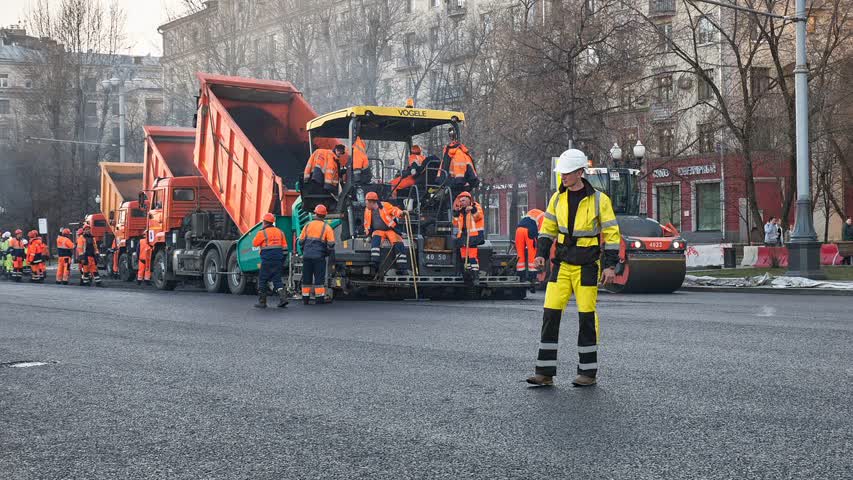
(282, 298)
(306, 299)
(262, 301)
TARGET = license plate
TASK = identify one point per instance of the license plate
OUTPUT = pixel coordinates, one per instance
(438, 259)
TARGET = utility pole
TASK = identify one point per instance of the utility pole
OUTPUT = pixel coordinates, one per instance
(803, 248)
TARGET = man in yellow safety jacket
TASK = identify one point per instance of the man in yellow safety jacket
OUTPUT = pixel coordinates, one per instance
(578, 217)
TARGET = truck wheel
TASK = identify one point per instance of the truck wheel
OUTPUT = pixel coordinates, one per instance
(213, 281)
(238, 283)
(159, 271)
(125, 273)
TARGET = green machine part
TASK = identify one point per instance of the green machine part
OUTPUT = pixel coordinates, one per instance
(249, 257)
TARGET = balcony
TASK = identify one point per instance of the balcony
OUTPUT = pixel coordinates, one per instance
(661, 8)
(405, 64)
(661, 111)
(456, 8)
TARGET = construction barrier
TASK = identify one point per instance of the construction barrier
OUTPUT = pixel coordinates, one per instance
(829, 254)
(750, 256)
(772, 257)
(705, 255)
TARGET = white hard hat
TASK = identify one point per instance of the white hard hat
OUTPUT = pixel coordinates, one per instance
(571, 160)
(24, 241)
(6, 234)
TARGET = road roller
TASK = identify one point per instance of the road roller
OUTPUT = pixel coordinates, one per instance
(651, 255)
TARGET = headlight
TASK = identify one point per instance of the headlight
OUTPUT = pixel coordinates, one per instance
(676, 244)
(637, 244)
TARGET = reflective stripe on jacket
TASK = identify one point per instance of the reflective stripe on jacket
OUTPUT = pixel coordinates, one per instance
(317, 239)
(472, 221)
(270, 238)
(387, 212)
(594, 218)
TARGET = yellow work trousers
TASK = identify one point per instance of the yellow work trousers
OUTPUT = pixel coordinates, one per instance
(566, 279)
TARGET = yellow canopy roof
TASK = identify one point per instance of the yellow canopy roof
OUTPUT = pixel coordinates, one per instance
(382, 123)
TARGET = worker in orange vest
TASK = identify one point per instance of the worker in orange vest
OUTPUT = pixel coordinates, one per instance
(87, 256)
(272, 244)
(361, 173)
(380, 221)
(64, 250)
(318, 244)
(322, 172)
(36, 256)
(458, 165)
(143, 266)
(526, 234)
(16, 249)
(468, 223)
(411, 173)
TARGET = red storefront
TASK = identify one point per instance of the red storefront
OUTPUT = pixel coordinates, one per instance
(496, 199)
(705, 196)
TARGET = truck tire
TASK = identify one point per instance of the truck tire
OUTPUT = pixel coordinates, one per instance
(238, 283)
(159, 272)
(125, 272)
(210, 277)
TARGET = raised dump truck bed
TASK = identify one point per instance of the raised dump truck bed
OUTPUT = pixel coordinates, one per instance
(251, 144)
(120, 182)
(168, 153)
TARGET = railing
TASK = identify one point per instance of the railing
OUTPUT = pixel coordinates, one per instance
(661, 7)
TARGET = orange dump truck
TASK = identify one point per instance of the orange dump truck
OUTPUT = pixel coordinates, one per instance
(120, 186)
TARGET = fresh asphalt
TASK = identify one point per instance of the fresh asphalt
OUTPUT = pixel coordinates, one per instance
(185, 384)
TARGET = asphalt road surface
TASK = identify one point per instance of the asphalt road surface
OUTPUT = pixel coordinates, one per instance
(191, 385)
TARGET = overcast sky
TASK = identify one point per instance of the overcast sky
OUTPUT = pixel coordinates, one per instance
(143, 18)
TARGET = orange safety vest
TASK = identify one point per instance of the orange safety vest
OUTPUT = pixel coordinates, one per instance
(538, 216)
(325, 160)
(144, 249)
(318, 239)
(387, 212)
(270, 237)
(36, 248)
(81, 246)
(474, 222)
(64, 246)
(416, 160)
(359, 155)
(17, 247)
(460, 161)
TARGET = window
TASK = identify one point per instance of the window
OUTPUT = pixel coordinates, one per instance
(271, 48)
(493, 218)
(590, 6)
(665, 37)
(488, 25)
(705, 90)
(90, 84)
(626, 97)
(5, 107)
(4, 80)
(409, 5)
(664, 88)
(137, 213)
(665, 137)
(521, 208)
(759, 78)
(669, 205)
(114, 109)
(409, 48)
(91, 110)
(706, 142)
(755, 28)
(433, 38)
(116, 133)
(706, 32)
(183, 195)
(99, 223)
(28, 83)
(32, 107)
(708, 207)
(435, 3)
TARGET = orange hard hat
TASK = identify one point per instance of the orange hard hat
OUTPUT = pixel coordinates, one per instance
(18, 231)
(79, 231)
(66, 231)
(464, 194)
(416, 149)
(33, 234)
(321, 210)
(372, 196)
(269, 217)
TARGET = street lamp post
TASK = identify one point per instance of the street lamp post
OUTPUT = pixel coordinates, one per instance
(118, 85)
(803, 248)
(616, 154)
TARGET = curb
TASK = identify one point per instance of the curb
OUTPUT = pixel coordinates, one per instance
(776, 291)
